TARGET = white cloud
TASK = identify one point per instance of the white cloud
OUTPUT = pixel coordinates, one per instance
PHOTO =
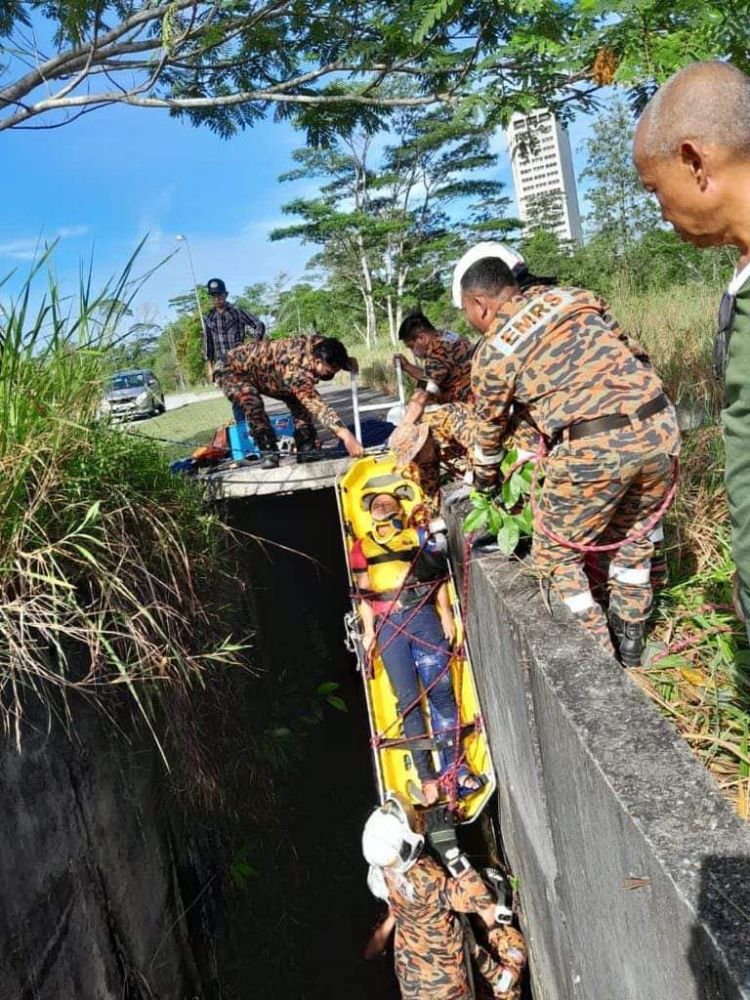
(68, 232)
(29, 248)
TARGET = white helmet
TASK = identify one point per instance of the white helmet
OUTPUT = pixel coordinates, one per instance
(388, 840)
(509, 257)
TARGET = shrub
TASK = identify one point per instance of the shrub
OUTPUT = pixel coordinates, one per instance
(107, 562)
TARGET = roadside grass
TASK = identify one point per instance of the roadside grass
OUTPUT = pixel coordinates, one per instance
(676, 325)
(187, 428)
(108, 564)
(702, 684)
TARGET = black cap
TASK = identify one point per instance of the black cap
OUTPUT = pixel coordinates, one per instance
(215, 286)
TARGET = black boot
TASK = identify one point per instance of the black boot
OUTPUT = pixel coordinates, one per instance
(305, 444)
(627, 638)
(266, 441)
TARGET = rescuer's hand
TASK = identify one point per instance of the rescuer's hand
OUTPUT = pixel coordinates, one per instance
(352, 445)
(407, 366)
(379, 937)
(414, 410)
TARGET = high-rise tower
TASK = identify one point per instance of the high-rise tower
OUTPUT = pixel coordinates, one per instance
(543, 173)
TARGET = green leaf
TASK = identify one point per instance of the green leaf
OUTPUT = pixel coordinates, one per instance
(475, 520)
(512, 490)
(496, 520)
(508, 537)
(432, 17)
(509, 461)
(327, 687)
(480, 500)
(338, 703)
(525, 520)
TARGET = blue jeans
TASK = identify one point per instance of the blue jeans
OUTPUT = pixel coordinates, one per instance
(407, 662)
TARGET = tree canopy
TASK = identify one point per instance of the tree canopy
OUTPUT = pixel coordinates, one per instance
(329, 64)
(394, 209)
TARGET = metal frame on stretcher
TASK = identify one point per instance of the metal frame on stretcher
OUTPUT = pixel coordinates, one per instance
(392, 761)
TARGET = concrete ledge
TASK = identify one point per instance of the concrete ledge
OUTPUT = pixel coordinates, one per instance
(252, 481)
(634, 870)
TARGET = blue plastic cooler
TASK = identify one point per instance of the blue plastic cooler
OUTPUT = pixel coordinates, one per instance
(242, 444)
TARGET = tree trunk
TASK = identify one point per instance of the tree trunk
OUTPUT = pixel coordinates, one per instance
(367, 295)
(400, 285)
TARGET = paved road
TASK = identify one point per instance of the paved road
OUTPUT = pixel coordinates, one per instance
(338, 394)
(177, 399)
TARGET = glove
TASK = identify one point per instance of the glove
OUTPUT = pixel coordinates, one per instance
(441, 833)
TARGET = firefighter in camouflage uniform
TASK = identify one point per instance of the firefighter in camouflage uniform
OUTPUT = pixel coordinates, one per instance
(424, 903)
(601, 411)
(446, 380)
(445, 375)
(287, 369)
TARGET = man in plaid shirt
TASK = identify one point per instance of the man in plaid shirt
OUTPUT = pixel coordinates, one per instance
(225, 327)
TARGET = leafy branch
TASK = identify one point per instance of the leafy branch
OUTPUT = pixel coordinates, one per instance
(507, 515)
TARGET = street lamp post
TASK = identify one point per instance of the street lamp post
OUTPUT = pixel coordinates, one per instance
(183, 239)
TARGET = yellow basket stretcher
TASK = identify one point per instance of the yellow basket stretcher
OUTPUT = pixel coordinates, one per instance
(393, 764)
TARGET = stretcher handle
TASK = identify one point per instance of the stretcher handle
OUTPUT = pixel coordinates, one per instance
(355, 407)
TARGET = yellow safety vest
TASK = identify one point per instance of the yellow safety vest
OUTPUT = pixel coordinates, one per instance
(390, 563)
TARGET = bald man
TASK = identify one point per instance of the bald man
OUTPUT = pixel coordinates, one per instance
(692, 150)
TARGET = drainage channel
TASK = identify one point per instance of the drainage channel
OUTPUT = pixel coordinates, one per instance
(299, 597)
(294, 563)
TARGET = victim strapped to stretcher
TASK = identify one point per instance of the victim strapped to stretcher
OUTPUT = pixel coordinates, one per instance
(391, 748)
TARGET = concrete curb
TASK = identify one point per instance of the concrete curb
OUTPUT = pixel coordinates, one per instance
(634, 870)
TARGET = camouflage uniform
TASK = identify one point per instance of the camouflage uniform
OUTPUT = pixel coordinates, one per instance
(429, 941)
(447, 366)
(448, 373)
(282, 369)
(560, 358)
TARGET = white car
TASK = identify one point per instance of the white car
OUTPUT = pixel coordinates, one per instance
(132, 394)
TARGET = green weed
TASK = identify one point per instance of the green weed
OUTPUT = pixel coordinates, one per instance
(507, 515)
(106, 560)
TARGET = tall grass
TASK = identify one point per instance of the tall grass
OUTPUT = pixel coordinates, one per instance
(676, 325)
(698, 676)
(106, 560)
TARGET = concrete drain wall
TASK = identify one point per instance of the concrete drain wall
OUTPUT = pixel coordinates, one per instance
(634, 871)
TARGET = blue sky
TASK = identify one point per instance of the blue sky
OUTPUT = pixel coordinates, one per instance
(118, 174)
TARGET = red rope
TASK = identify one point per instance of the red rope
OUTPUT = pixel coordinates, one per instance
(636, 536)
(449, 777)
